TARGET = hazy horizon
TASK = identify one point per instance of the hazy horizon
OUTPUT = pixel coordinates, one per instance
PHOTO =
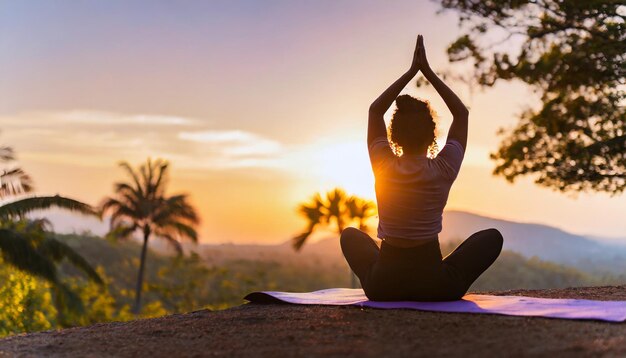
(257, 106)
(68, 223)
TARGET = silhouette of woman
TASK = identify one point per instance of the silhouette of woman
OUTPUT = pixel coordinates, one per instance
(412, 186)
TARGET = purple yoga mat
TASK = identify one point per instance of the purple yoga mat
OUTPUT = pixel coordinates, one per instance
(611, 311)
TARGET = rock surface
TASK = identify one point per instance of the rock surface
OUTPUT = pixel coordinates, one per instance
(282, 330)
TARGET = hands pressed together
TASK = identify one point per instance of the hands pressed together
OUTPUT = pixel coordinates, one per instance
(458, 129)
(420, 62)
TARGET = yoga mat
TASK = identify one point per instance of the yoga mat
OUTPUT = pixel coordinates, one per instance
(611, 311)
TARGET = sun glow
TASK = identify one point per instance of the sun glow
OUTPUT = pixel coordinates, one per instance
(343, 164)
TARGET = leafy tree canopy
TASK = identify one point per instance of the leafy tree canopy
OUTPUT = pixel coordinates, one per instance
(572, 54)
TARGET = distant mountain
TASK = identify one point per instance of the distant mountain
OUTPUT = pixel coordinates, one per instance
(545, 242)
(588, 253)
(236, 270)
(530, 240)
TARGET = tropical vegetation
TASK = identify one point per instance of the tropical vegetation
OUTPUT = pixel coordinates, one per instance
(27, 244)
(142, 206)
(335, 210)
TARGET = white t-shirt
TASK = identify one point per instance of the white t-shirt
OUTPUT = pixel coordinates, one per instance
(412, 190)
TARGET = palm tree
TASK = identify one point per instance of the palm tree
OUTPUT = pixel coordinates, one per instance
(336, 208)
(361, 210)
(13, 181)
(142, 206)
(27, 244)
(315, 214)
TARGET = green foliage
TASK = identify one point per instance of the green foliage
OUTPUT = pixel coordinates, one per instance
(29, 248)
(187, 283)
(100, 304)
(26, 245)
(182, 295)
(142, 205)
(20, 208)
(25, 303)
(572, 54)
(20, 250)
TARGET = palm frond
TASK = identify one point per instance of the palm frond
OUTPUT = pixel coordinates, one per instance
(119, 211)
(174, 208)
(14, 182)
(128, 191)
(146, 172)
(18, 250)
(7, 154)
(121, 231)
(58, 251)
(336, 207)
(172, 241)
(311, 213)
(181, 229)
(179, 205)
(360, 208)
(66, 300)
(162, 179)
(298, 241)
(336, 198)
(22, 207)
(129, 170)
(109, 204)
(315, 211)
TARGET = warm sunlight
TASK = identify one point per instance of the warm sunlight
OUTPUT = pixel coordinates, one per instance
(185, 164)
(343, 164)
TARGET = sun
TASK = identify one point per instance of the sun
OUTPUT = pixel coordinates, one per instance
(344, 164)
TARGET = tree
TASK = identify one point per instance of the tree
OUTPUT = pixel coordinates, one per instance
(361, 210)
(27, 244)
(572, 54)
(336, 208)
(142, 205)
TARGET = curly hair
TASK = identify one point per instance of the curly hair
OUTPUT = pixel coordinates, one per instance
(413, 127)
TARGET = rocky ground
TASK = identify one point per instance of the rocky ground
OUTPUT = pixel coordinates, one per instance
(282, 330)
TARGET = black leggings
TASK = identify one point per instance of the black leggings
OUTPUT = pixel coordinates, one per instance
(418, 273)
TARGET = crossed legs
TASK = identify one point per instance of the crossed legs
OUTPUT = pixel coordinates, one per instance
(473, 256)
(465, 264)
(360, 251)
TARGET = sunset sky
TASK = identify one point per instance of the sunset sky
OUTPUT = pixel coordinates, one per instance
(257, 104)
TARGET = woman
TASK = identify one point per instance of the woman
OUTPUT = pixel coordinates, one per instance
(412, 188)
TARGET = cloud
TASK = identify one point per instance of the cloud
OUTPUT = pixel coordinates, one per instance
(234, 143)
(91, 117)
(98, 117)
(99, 138)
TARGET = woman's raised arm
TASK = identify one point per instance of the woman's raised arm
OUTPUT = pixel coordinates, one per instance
(460, 114)
(376, 123)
